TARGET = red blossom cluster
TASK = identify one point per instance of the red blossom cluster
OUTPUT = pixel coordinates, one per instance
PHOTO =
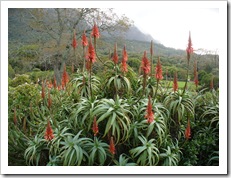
(112, 146)
(84, 39)
(189, 48)
(188, 131)
(124, 60)
(95, 31)
(150, 115)
(145, 64)
(49, 132)
(159, 75)
(65, 77)
(175, 83)
(95, 127)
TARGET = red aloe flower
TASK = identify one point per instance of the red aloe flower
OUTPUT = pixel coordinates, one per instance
(59, 87)
(50, 85)
(95, 31)
(74, 41)
(49, 100)
(150, 114)
(175, 83)
(189, 49)
(65, 77)
(49, 132)
(15, 117)
(95, 127)
(159, 75)
(211, 83)
(115, 55)
(188, 131)
(145, 64)
(112, 146)
(124, 60)
(91, 52)
(43, 90)
(84, 39)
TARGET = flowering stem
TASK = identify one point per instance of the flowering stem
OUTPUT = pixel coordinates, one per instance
(90, 78)
(186, 79)
(116, 89)
(84, 62)
(144, 83)
(156, 89)
(76, 57)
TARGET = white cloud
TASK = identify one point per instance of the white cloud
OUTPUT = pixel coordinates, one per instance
(171, 26)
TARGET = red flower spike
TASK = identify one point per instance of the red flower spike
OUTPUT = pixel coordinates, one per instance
(65, 77)
(115, 55)
(84, 39)
(196, 81)
(74, 41)
(188, 131)
(159, 75)
(124, 60)
(150, 115)
(43, 90)
(95, 127)
(91, 53)
(50, 85)
(15, 117)
(145, 64)
(49, 100)
(95, 31)
(189, 49)
(49, 132)
(175, 83)
(112, 146)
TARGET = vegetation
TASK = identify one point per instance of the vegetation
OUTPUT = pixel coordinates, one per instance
(111, 109)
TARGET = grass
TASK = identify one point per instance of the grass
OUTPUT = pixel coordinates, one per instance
(169, 84)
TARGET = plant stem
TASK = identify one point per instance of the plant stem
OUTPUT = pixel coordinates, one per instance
(156, 89)
(186, 79)
(144, 83)
(90, 79)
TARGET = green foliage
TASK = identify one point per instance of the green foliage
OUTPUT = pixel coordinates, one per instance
(34, 151)
(73, 150)
(123, 161)
(19, 80)
(147, 154)
(97, 151)
(11, 73)
(114, 115)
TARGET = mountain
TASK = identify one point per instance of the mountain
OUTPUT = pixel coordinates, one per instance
(134, 33)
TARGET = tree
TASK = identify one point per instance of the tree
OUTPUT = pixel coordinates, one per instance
(53, 28)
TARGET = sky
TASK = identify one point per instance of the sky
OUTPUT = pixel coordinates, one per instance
(171, 26)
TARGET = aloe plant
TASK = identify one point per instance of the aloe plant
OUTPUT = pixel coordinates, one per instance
(97, 151)
(73, 150)
(115, 115)
(147, 154)
(123, 161)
